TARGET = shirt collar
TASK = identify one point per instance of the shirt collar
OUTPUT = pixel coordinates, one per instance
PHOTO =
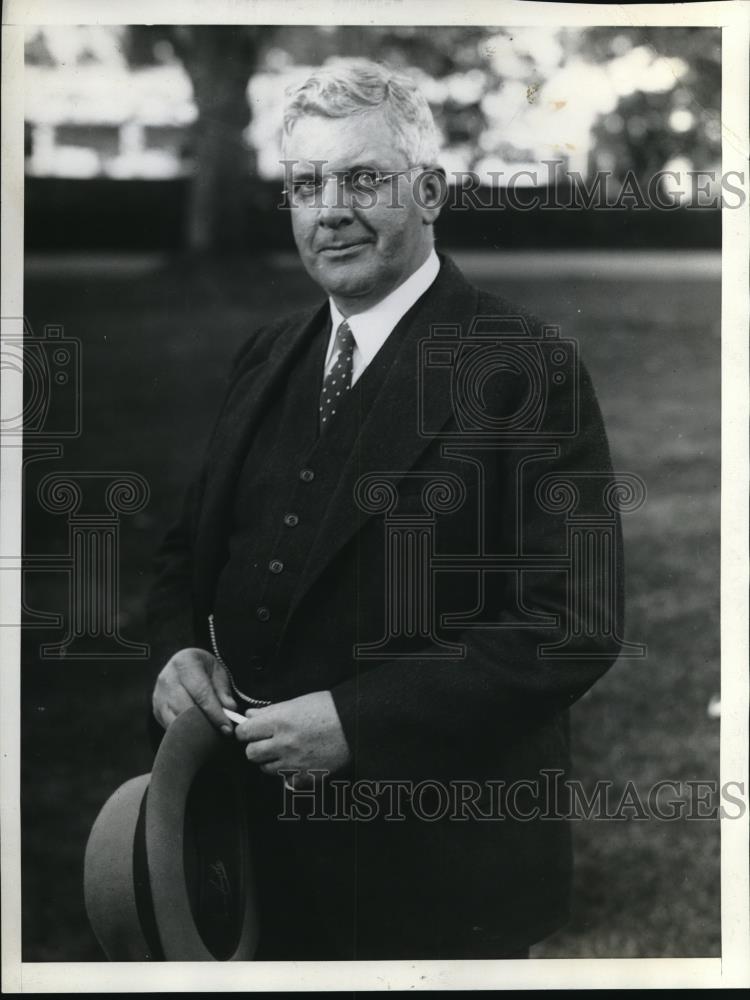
(372, 327)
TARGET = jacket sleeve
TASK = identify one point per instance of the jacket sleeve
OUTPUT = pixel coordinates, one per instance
(169, 605)
(408, 718)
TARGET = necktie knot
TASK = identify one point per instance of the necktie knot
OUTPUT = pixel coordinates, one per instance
(344, 338)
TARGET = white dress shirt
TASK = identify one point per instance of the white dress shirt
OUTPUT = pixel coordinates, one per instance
(372, 327)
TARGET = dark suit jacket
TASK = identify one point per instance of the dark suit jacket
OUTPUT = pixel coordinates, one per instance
(496, 714)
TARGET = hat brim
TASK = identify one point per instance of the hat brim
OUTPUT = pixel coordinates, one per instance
(168, 872)
(112, 891)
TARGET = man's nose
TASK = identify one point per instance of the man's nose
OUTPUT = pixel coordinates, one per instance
(335, 204)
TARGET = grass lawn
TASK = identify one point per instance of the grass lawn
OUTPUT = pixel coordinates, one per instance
(156, 344)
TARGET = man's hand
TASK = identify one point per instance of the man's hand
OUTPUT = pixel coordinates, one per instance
(193, 677)
(302, 734)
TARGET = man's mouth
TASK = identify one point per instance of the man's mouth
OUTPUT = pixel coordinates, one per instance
(333, 249)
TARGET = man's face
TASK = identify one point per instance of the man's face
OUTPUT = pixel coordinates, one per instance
(360, 252)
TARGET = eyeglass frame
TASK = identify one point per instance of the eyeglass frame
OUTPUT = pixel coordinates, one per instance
(342, 176)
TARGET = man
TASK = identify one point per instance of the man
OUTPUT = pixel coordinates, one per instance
(283, 593)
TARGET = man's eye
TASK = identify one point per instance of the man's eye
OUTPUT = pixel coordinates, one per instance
(305, 188)
(365, 180)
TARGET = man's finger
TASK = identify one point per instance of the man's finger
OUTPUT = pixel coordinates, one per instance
(301, 780)
(261, 713)
(179, 700)
(263, 752)
(166, 717)
(270, 768)
(157, 708)
(254, 729)
(201, 690)
(169, 706)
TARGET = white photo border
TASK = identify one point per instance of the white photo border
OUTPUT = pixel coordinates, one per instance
(732, 969)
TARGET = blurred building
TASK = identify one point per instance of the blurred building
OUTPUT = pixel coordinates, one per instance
(106, 120)
(532, 97)
(113, 129)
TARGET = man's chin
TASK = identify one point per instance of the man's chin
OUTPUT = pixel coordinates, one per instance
(347, 282)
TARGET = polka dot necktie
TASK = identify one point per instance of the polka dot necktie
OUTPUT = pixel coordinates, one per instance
(338, 381)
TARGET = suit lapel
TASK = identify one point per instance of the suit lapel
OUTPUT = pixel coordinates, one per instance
(391, 438)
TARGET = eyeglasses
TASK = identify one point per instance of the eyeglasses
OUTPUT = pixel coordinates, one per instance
(363, 182)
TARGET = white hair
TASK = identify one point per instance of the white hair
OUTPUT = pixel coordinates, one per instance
(356, 86)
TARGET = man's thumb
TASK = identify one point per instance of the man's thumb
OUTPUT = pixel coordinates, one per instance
(223, 687)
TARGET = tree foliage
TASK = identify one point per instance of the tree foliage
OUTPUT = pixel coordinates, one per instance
(647, 129)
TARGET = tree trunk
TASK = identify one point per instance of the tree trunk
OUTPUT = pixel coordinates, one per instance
(220, 61)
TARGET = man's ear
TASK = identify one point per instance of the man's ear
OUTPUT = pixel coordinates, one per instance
(431, 193)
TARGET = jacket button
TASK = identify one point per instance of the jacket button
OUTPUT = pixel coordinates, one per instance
(291, 520)
(262, 614)
(306, 475)
(276, 566)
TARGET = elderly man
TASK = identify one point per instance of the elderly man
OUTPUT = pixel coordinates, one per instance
(348, 568)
